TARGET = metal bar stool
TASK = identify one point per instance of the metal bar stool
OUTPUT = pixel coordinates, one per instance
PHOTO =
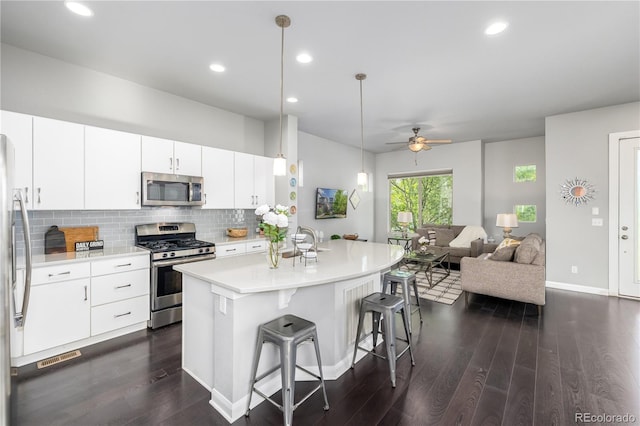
(404, 278)
(286, 332)
(386, 305)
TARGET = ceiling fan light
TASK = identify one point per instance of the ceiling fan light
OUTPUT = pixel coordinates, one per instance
(416, 146)
(426, 147)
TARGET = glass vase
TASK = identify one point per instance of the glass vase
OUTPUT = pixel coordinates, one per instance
(273, 255)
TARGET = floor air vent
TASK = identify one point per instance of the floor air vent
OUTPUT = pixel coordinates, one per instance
(58, 359)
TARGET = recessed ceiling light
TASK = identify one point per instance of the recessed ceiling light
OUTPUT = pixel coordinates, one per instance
(496, 28)
(217, 68)
(292, 99)
(78, 8)
(304, 58)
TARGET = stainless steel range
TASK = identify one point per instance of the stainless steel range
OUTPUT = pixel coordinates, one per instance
(170, 244)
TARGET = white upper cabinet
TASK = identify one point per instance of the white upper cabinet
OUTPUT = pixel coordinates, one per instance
(58, 165)
(254, 183)
(217, 171)
(112, 170)
(188, 159)
(19, 130)
(166, 156)
(264, 186)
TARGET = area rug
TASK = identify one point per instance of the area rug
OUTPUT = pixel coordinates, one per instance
(446, 291)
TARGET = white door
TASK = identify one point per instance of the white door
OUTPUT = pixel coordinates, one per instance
(59, 313)
(264, 183)
(217, 171)
(157, 155)
(112, 170)
(629, 218)
(245, 197)
(19, 129)
(187, 159)
(58, 165)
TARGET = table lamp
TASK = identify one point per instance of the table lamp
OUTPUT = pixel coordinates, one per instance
(507, 221)
(404, 219)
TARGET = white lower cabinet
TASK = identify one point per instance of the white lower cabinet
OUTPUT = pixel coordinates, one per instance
(73, 303)
(256, 246)
(223, 250)
(231, 249)
(120, 314)
(58, 313)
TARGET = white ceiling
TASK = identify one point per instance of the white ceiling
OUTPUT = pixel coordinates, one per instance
(428, 63)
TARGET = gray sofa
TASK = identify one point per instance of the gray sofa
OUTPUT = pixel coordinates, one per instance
(521, 278)
(444, 235)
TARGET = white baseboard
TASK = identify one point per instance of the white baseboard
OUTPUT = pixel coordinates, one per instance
(578, 288)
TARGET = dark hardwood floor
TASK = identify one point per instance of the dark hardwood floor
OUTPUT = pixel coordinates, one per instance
(494, 363)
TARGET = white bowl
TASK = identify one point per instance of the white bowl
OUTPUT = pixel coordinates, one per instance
(298, 237)
(304, 246)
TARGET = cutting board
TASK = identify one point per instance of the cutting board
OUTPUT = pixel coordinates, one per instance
(73, 235)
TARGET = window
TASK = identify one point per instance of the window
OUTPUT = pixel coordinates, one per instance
(526, 213)
(428, 197)
(525, 173)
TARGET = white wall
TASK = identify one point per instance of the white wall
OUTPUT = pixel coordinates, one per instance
(577, 146)
(328, 164)
(465, 159)
(502, 193)
(39, 85)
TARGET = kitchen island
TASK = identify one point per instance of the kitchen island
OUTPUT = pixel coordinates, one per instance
(225, 300)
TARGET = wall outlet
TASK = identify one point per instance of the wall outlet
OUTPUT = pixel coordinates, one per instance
(596, 221)
(574, 269)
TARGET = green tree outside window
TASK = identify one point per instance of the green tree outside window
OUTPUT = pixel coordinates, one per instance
(526, 213)
(525, 173)
(428, 198)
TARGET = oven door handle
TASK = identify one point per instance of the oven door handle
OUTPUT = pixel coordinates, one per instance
(171, 262)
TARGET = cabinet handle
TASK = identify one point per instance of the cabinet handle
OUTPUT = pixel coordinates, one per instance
(39, 201)
(123, 265)
(122, 286)
(26, 194)
(85, 292)
(60, 273)
(230, 250)
(121, 315)
(205, 198)
(258, 246)
(177, 164)
(137, 197)
(170, 164)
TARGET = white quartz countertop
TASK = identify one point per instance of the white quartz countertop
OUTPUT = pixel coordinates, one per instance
(339, 260)
(83, 256)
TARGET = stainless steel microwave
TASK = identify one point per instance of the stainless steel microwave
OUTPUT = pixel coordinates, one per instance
(160, 189)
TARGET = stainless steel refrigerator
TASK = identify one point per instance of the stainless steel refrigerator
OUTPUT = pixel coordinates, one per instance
(10, 199)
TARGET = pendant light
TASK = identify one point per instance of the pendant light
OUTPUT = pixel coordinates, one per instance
(362, 176)
(280, 162)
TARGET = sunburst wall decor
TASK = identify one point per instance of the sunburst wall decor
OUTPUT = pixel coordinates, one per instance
(577, 191)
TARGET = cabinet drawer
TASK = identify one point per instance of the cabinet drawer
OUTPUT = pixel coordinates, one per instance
(119, 264)
(114, 287)
(66, 272)
(230, 249)
(256, 246)
(119, 314)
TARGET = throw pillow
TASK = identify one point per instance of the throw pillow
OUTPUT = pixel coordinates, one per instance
(444, 236)
(468, 234)
(528, 249)
(505, 250)
(431, 235)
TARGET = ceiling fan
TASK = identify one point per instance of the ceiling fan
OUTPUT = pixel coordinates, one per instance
(420, 143)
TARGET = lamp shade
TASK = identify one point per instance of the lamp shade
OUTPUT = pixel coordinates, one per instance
(405, 217)
(507, 220)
